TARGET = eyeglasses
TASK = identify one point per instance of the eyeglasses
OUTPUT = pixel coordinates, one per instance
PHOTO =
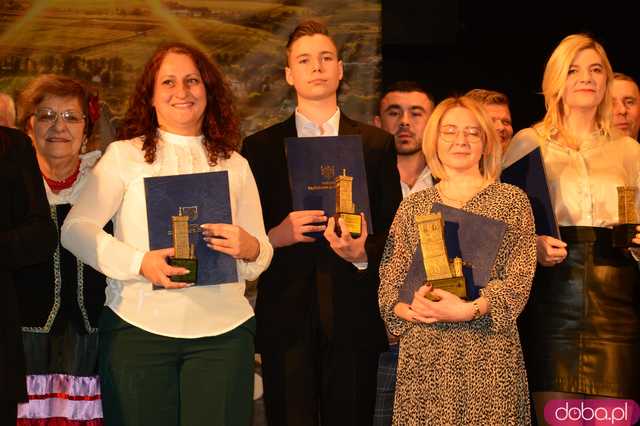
(47, 115)
(449, 134)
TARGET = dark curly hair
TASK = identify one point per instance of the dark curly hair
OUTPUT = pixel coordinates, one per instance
(220, 126)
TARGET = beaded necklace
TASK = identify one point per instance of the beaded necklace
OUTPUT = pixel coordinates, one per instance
(59, 185)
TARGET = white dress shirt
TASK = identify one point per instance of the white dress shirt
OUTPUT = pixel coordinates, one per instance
(115, 190)
(423, 181)
(306, 128)
(583, 182)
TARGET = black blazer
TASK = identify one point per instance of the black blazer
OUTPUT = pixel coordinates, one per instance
(27, 237)
(286, 291)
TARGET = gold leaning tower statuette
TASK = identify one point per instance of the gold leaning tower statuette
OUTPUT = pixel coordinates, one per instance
(628, 220)
(442, 272)
(184, 255)
(345, 208)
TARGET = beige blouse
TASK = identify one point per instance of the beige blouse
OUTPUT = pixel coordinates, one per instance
(583, 182)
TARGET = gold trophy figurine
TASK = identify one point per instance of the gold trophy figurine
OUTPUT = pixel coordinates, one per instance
(345, 208)
(628, 220)
(184, 255)
(442, 272)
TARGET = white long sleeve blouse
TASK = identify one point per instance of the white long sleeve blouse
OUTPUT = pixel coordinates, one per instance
(115, 191)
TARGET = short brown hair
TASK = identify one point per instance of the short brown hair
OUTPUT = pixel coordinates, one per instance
(487, 97)
(624, 77)
(51, 85)
(491, 152)
(308, 28)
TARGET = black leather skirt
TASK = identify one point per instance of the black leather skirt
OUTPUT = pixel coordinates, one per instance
(581, 328)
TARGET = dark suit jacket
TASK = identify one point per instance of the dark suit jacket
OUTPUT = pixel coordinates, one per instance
(286, 291)
(27, 237)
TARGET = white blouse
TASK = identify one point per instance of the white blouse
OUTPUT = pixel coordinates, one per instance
(583, 182)
(115, 190)
(424, 181)
(70, 195)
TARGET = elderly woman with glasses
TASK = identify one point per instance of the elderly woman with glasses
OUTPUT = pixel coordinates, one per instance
(460, 361)
(60, 300)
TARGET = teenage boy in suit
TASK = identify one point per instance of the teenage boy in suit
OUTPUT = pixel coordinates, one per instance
(318, 325)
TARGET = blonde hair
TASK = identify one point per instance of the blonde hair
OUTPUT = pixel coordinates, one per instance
(491, 152)
(555, 79)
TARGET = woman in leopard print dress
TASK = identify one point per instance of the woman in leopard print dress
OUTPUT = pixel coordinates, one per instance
(461, 362)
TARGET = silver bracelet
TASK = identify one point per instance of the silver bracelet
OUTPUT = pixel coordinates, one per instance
(476, 310)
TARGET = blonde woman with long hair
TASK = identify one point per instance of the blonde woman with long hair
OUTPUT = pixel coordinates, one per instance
(581, 330)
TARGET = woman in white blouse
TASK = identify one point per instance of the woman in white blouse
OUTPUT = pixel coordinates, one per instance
(581, 330)
(184, 355)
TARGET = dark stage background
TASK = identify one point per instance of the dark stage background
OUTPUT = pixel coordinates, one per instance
(451, 46)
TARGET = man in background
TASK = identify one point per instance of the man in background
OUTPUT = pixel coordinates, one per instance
(626, 106)
(404, 110)
(497, 105)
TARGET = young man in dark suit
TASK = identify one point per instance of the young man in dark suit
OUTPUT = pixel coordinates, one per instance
(318, 325)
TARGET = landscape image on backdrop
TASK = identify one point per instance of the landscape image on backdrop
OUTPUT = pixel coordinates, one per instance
(106, 43)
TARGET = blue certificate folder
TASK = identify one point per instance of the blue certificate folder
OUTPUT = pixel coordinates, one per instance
(474, 238)
(314, 164)
(528, 174)
(205, 198)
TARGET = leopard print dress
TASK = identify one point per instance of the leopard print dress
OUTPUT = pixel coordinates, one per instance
(463, 373)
